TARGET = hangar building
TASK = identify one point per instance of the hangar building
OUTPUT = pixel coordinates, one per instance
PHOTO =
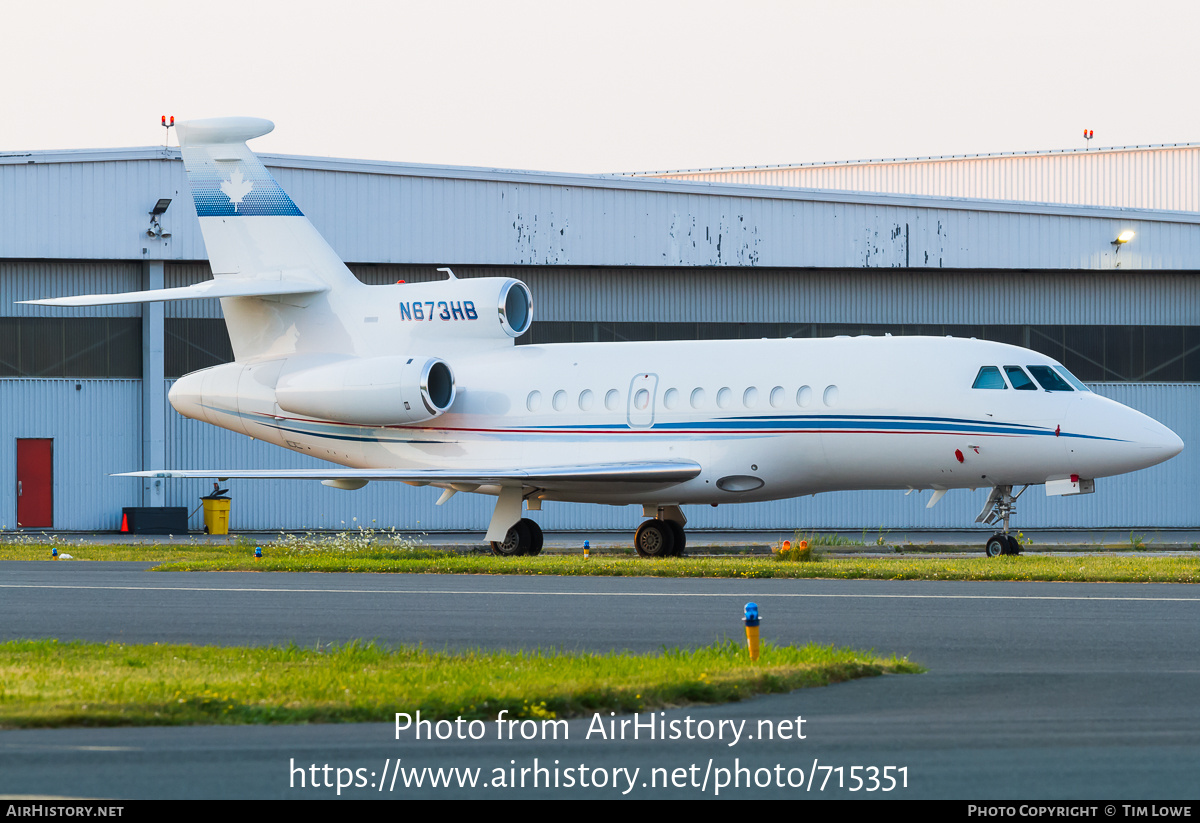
(1017, 248)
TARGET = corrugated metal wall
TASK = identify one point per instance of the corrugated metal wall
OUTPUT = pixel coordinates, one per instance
(1140, 177)
(394, 213)
(35, 279)
(481, 222)
(95, 209)
(96, 431)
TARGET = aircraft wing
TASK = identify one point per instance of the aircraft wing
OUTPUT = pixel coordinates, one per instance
(219, 287)
(645, 474)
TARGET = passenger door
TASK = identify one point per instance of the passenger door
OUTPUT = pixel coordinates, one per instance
(642, 389)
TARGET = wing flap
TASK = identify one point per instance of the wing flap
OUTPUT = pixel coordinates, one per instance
(218, 287)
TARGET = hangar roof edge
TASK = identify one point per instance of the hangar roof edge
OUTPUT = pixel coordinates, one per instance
(931, 158)
(615, 181)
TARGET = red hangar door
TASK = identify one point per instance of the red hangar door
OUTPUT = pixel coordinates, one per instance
(35, 484)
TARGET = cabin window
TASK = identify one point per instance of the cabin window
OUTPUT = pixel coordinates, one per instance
(586, 398)
(697, 398)
(612, 400)
(778, 396)
(559, 400)
(534, 401)
(1019, 379)
(1049, 379)
(803, 396)
(830, 397)
(641, 400)
(750, 397)
(989, 377)
(671, 399)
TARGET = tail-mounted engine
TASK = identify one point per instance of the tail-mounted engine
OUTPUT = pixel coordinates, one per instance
(367, 391)
(371, 391)
(496, 308)
(452, 317)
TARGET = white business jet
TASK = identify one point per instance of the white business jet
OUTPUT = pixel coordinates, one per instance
(423, 383)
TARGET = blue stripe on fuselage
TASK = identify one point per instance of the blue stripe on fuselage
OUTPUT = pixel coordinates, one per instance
(724, 428)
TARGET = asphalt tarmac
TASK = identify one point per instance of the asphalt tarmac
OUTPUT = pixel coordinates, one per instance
(1034, 690)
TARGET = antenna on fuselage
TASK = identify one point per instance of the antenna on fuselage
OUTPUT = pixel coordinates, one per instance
(449, 274)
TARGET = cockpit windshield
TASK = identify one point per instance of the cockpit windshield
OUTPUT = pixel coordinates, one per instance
(989, 377)
(1049, 379)
(1072, 379)
(1020, 380)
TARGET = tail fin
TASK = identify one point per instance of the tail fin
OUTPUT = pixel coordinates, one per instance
(282, 288)
(254, 231)
(250, 225)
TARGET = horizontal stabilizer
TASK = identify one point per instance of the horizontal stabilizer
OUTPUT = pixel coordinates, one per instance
(662, 473)
(220, 287)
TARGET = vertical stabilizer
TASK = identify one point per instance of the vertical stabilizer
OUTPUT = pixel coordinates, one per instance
(252, 229)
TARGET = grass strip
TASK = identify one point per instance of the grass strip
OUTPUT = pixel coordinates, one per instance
(47, 683)
(1123, 569)
(137, 552)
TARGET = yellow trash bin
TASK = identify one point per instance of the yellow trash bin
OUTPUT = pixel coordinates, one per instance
(216, 515)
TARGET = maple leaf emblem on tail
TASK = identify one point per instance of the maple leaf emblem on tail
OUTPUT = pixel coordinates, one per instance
(236, 188)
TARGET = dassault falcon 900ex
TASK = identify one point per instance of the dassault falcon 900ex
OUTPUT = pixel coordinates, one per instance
(423, 383)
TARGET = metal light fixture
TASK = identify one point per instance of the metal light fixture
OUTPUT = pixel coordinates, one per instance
(1124, 237)
(159, 209)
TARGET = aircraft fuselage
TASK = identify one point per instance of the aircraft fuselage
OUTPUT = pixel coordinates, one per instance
(764, 419)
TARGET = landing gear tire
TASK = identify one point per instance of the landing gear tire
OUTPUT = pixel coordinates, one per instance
(535, 537)
(997, 545)
(1000, 506)
(516, 542)
(680, 538)
(525, 538)
(654, 538)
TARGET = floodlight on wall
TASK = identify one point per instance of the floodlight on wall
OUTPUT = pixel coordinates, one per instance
(1123, 238)
(159, 209)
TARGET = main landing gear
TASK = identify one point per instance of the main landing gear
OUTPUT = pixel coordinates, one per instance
(1000, 505)
(999, 544)
(661, 537)
(525, 538)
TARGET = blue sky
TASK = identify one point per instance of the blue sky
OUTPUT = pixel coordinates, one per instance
(607, 86)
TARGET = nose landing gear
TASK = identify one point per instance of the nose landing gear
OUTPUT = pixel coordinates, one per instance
(1000, 505)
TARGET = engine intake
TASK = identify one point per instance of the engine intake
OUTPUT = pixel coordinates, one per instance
(516, 308)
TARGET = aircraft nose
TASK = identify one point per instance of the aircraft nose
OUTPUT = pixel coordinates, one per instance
(1120, 439)
(1159, 442)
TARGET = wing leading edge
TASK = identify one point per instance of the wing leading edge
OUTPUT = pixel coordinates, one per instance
(662, 473)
